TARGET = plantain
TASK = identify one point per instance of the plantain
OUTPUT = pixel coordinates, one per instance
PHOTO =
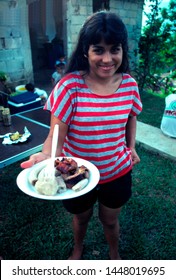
(80, 185)
(33, 175)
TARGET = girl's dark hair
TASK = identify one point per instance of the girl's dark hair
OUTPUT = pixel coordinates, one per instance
(101, 25)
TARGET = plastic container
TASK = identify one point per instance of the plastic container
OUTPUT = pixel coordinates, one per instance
(20, 89)
(1, 110)
(6, 117)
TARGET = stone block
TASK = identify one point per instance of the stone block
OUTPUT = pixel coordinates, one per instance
(74, 37)
(5, 32)
(15, 65)
(78, 20)
(17, 77)
(8, 54)
(15, 32)
(122, 13)
(83, 10)
(3, 67)
(2, 43)
(13, 43)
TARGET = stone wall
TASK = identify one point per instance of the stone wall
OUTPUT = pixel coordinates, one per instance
(75, 16)
(131, 14)
(15, 51)
(129, 11)
(15, 43)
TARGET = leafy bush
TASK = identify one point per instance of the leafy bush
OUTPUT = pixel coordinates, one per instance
(157, 50)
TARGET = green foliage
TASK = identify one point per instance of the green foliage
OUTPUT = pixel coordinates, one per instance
(157, 49)
(3, 76)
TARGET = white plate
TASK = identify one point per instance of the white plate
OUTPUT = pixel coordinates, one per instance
(26, 187)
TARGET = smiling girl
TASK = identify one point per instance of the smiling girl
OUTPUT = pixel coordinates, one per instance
(95, 105)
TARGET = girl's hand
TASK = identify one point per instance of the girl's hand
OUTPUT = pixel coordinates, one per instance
(134, 156)
(34, 159)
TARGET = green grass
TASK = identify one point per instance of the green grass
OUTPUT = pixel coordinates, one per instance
(38, 229)
(153, 108)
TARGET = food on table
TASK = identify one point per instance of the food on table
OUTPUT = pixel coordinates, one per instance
(15, 136)
(68, 175)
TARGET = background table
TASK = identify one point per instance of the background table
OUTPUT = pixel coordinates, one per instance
(37, 122)
(39, 116)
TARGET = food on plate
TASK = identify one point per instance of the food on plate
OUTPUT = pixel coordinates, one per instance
(68, 175)
(80, 174)
(62, 186)
(34, 173)
(80, 185)
(15, 136)
(66, 165)
(46, 187)
(71, 173)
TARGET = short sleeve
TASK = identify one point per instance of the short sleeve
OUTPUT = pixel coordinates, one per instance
(137, 104)
(59, 102)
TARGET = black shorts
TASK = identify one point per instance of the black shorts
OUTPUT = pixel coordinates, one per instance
(113, 194)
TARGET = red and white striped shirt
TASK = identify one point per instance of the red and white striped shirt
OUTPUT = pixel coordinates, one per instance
(96, 123)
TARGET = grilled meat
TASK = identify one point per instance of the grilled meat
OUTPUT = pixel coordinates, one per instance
(66, 165)
(80, 174)
(71, 173)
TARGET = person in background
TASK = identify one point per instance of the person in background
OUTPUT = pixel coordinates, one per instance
(62, 58)
(59, 73)
(168, 122)
(40, 92)
(96, 104)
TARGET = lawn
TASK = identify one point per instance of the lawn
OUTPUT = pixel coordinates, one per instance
(153, 108)
(38, 229)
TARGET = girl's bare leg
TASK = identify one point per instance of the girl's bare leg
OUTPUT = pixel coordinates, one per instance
(109, 220)
(80, 223)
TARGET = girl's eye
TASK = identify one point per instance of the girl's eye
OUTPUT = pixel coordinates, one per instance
(98, 50)
(116, 49)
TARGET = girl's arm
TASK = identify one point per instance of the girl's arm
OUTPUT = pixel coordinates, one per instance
(131, 138)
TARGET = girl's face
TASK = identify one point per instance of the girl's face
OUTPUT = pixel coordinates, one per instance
(104, 60)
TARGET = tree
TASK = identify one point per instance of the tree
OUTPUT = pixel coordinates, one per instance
(157, 47)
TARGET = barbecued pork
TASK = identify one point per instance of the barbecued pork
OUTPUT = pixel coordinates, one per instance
(66, 165)
(80, 174)
(71, 173)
